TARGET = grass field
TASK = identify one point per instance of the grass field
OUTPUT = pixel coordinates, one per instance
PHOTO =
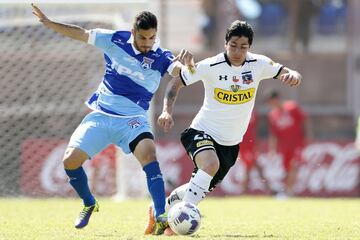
(224, 218)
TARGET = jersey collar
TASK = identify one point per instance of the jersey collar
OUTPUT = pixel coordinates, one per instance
(154, 48)
(228, 61)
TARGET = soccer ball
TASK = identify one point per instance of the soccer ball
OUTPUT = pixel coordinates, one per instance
(184, 218)
(176, 196)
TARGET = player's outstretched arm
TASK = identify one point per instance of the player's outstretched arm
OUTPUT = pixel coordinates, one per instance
(165, 119)
(290, 77)
(71, 31)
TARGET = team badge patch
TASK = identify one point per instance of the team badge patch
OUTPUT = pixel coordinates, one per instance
(235, 79)
(247, 77)
(134, 123)
(235, 88)
(146, 63)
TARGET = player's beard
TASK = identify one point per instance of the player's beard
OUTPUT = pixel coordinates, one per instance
(142, 49)
(145, 49)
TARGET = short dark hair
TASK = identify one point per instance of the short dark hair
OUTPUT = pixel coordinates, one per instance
(145, 20)
(239, 29)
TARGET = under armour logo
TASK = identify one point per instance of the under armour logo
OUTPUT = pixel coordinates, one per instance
(223, 77)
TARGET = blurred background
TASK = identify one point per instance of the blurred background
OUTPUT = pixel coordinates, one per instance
(45, 79)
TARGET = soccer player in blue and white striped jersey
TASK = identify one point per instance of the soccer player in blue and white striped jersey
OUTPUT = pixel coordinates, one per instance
(135, 64)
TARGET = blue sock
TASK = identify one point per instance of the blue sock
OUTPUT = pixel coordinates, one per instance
(156, 187)
(78, 181)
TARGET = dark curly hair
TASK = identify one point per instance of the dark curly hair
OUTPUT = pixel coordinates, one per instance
(239, 29)
(145, 20)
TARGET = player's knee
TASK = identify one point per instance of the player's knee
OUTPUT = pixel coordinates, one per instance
(145, 151)
(149, 157)
(74, 158)
(211, 166)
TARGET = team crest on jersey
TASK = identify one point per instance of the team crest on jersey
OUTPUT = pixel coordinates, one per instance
(134, 123)
(146, 63)
(235, 79)
(235, 88)
(247, 77)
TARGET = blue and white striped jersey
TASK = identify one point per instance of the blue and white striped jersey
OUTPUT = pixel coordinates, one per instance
(131, 77)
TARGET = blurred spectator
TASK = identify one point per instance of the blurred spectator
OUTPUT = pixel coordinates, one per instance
(287, 122)
(272, 17)
(301, 14)
(208, 22)
(250, 9)
(216, 15)
(332, 15)
(248, 154)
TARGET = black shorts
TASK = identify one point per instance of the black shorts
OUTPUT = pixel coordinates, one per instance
(195, 141)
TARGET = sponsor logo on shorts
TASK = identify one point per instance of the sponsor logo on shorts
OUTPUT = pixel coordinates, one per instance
(229, 97)
(204, 143)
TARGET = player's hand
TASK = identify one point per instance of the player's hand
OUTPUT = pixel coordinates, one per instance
(39, 14)
(291, 78)
(186, 58)
(165, 121)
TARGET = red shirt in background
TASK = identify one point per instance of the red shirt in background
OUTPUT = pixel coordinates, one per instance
(248, 145)
(287, 125)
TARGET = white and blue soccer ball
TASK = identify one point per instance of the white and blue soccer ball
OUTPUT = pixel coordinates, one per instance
(175, 197)
(184, 218)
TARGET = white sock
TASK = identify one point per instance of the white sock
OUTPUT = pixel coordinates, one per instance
(198, 187)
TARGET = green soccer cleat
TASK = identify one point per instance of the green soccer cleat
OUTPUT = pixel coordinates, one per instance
(83, 219)
(161, 224)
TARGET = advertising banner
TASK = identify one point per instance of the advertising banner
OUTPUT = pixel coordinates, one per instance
(327, 169)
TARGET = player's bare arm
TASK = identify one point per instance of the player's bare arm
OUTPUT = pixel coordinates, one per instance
(186, 58)
(69, 30)
(290, 77)
(165, 120)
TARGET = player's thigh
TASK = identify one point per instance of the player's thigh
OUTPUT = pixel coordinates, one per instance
(200, 147)
(133, 135)
(92, 135)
